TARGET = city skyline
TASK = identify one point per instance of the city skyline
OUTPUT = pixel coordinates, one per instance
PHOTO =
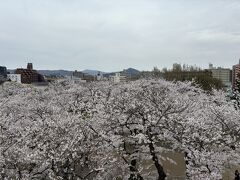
(206, 66)
(111, 35)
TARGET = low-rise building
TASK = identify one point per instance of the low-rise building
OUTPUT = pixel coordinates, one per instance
(14, 77)
(117, 78)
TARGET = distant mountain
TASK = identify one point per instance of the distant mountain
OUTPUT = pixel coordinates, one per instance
(55, 72)
(128, 72)
(93, 72)
(49, 72)
(131, 72)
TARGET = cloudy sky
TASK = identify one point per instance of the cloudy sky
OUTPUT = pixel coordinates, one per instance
(110, 35)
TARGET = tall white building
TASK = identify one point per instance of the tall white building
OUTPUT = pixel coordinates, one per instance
(14, 77)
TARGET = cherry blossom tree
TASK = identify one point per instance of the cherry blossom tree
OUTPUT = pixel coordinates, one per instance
(108, 131)
(44, 134)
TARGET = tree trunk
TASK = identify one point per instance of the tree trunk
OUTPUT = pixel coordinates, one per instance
(187, 162)
(161, 173)
(134, 175)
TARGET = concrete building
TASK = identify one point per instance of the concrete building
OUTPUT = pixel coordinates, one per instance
(29, 75)
(235, 75)
(223, 74)
(117, 78)
(14, 77)
(3, 73)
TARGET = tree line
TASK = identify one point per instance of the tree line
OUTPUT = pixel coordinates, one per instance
(178, 72)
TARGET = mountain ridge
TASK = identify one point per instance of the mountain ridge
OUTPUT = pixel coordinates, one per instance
(61, 72)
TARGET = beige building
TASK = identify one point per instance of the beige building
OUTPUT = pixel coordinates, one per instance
(223, 74)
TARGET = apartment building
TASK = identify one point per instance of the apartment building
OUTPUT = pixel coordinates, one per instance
(223, 74)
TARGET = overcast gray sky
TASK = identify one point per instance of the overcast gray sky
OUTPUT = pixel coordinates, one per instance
(110, 35)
